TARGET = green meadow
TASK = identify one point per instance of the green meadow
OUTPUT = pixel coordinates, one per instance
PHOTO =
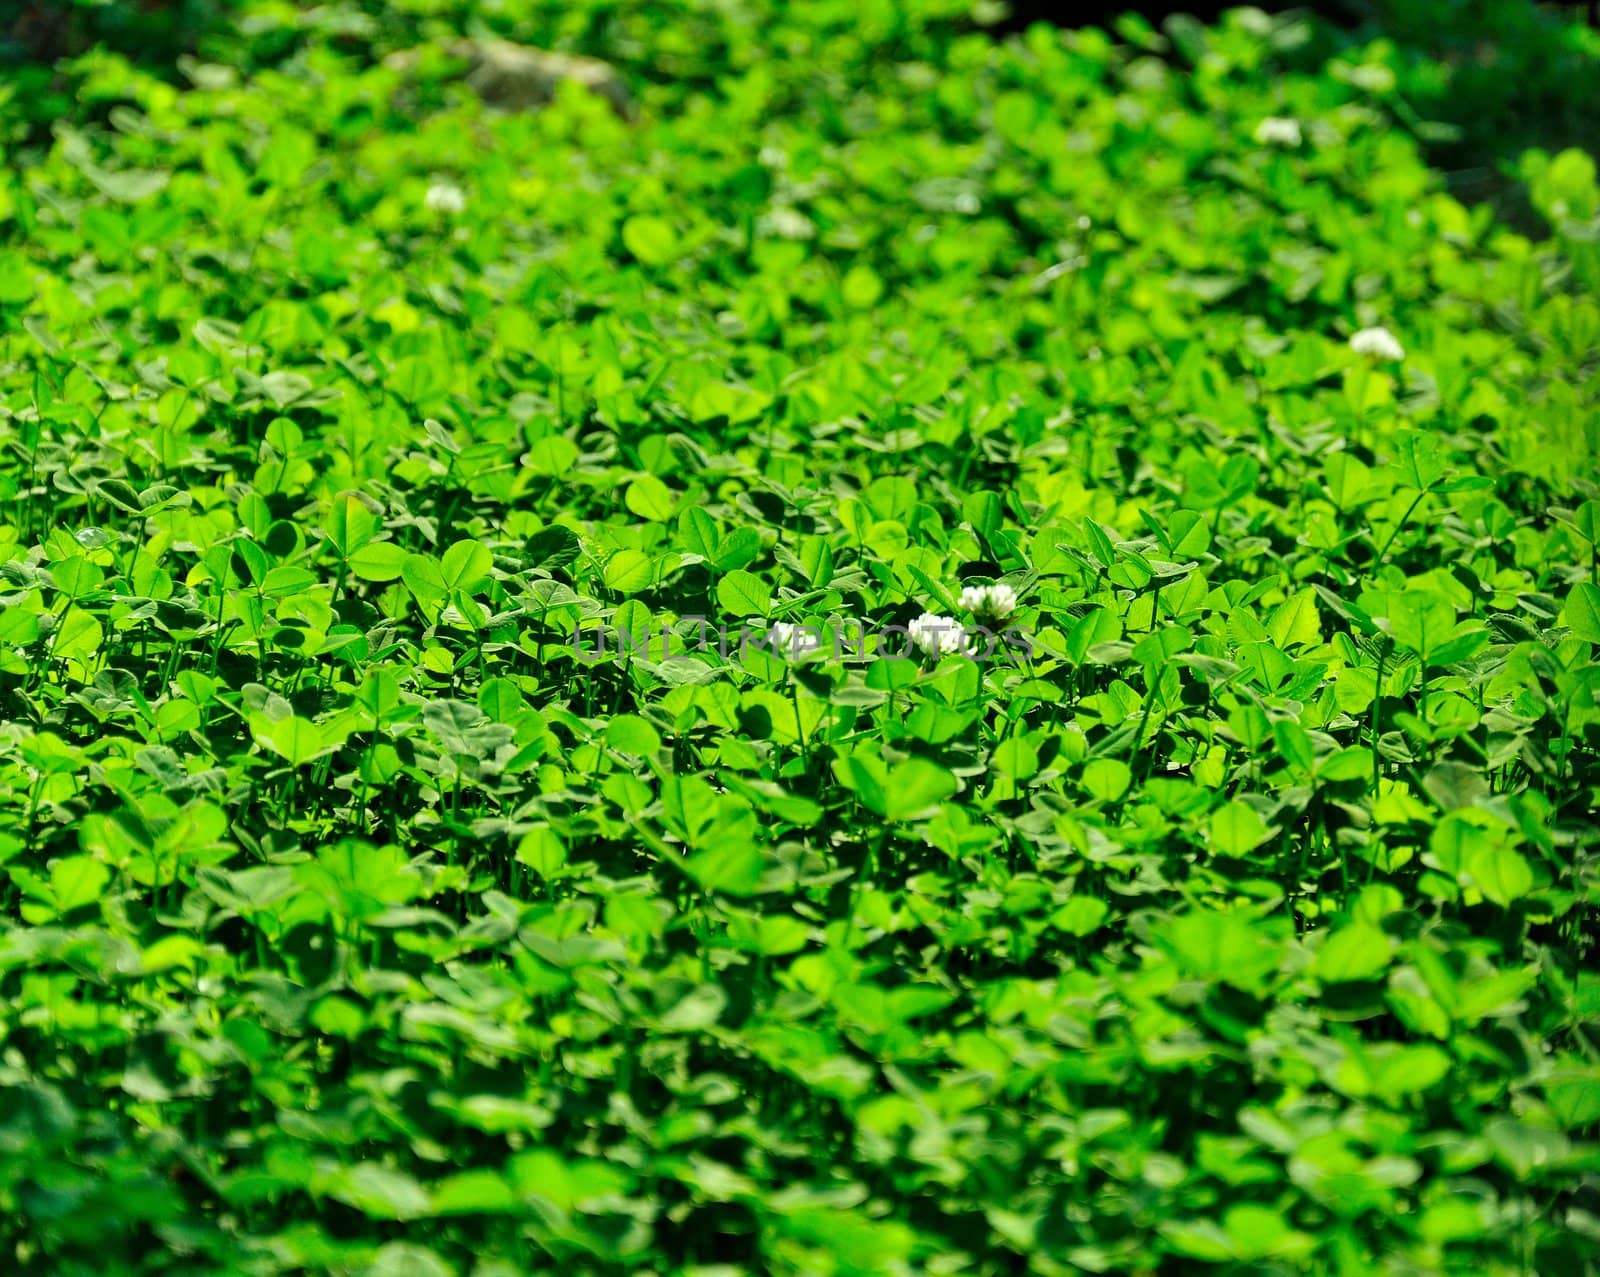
(839, 642)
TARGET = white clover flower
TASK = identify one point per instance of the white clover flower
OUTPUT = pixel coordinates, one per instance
(1002, 600)
(996, 601)
(1276, 130)
(791, 640)
(789, 223)
(1380, 343)
(445, 197)
(936, 635)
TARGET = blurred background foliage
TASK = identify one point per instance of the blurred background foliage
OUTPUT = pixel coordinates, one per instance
(1481, 80)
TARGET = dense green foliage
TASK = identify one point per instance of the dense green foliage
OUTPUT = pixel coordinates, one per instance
(354, 922)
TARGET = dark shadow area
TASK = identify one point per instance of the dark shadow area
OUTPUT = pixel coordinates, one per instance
(1482, 81)
(1495, 77)
(153, 31)
(1479, 81)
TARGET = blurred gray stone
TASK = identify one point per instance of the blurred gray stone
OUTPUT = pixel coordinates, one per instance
(517, 77)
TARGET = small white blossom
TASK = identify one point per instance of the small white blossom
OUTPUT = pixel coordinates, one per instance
(1276, 130)
(935, 634)
(445, 197)
(997, 601)
(793, 641)
(1380, 343)
(789, 223)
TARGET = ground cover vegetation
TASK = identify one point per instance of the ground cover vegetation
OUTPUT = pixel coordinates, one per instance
(356, 920)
